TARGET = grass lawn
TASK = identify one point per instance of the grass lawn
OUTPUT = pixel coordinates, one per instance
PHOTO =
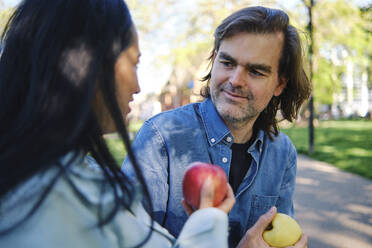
(117, 148)
(347, 144)
(115, 144)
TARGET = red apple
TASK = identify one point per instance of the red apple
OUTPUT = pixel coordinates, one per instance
(195, 176)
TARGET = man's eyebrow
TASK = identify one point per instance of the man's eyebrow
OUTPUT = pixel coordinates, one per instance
(249, 66)
(223, 55)
(259, 67)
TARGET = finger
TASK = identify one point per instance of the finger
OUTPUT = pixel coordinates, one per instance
(187, 207)
(228, 203)
(302, 243)
(230, 191)
(207, 194)
(264, 220)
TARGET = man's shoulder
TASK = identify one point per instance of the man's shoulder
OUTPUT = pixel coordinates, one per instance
(282, 137)
(279, 149)
(182, 116)
(281, 142)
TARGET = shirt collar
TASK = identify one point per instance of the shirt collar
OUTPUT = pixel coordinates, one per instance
(258, 143)
(214, 126)
(217, 130)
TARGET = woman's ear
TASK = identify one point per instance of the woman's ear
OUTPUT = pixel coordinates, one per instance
(282, 84)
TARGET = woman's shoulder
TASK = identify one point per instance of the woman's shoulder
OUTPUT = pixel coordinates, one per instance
(70, 208)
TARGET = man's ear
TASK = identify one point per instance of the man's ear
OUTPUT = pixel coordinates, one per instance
(214, 55)
(282, 84)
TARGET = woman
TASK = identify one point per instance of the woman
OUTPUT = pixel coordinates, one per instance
(67, 75)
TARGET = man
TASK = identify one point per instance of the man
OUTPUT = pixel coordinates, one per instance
(256, 70)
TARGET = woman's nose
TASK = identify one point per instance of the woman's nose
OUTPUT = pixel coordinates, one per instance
(136, 88)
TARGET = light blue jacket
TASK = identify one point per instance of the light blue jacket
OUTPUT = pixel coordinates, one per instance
(68, 216)
(167, 143)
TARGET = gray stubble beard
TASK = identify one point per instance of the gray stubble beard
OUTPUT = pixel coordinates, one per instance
(249, 113)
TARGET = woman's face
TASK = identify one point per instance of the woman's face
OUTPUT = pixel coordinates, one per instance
(126, 85)
(126, 75)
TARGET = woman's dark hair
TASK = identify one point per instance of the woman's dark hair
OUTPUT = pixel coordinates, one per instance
(262, 20)
(57, 54)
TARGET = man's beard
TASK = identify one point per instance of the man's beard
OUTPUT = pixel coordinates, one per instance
(230, 111)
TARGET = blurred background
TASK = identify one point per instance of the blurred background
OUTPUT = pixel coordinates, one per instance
(176, 39)
(335, 127)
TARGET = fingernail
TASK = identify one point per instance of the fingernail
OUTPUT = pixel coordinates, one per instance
(271, 210)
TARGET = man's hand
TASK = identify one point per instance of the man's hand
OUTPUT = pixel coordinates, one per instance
(206, 199)
(253, 237)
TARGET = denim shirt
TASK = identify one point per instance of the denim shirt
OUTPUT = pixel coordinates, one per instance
(167, 144)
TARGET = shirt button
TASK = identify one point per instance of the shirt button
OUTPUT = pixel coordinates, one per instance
(224, 160)
(213, 140)
(229, 139)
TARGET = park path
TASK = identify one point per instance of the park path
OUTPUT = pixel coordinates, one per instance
(333, 207)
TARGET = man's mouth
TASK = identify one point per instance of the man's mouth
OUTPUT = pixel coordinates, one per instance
(234, 95)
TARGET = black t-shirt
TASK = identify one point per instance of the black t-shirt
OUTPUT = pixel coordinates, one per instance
(240, 162)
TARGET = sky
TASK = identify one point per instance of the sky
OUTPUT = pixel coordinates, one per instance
(10, 2)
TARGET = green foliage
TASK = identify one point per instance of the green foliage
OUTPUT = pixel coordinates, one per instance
(115, 144)
(328, 80)
(339, 35)
(117, 148)
(149, 14)
(4, 17)
(340, 23)
(342, 33)
(366, 13)
(347, 144)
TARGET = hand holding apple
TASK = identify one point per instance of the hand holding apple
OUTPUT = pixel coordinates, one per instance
(285, 231)
(205, 185)
(194, 177)
(253, 238)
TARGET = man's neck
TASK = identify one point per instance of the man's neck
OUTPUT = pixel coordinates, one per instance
(242, 132)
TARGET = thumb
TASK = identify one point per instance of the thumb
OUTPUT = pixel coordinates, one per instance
(207, 194)
(264, 221)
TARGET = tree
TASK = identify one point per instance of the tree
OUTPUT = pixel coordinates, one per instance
(342, 46)
(5, 13)
(341, 35)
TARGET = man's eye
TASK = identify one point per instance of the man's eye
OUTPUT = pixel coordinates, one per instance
(256, 73)
(226, 63)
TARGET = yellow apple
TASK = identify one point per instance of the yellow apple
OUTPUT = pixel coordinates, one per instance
(285, 231)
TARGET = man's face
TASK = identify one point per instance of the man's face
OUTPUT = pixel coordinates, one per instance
(245, 77)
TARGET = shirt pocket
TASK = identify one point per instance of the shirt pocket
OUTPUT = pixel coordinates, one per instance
(259, 206)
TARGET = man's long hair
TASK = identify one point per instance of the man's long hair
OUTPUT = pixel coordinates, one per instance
(57, 55)
(262, 20)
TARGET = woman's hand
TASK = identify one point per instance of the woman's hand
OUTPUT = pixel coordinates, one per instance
(253, 237)
(206, 198)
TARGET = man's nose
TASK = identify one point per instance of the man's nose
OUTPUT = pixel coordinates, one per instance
(238, 76)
